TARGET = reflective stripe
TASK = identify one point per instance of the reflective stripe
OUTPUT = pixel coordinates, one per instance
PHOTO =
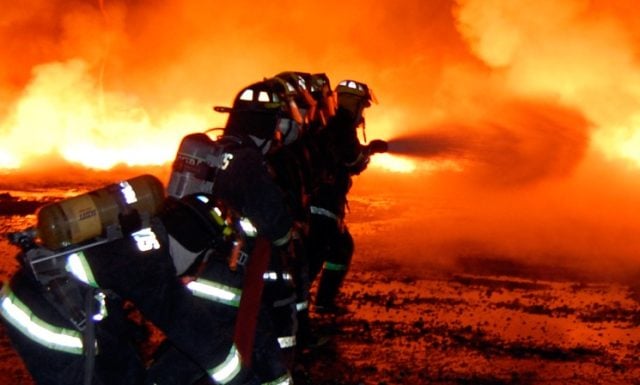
(320, 211)
(285, 379)
(283, 240)
(248, 227)
(78, 266)
(273, 276)
(23, 319)
(334, 266)
(215, 291)
(102, 311)
(146, 239)
(270, 276)
(290, 300)
(226, 371)
(304, 305)
(287, 342)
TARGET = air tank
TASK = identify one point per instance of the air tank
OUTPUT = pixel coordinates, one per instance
(88, 215)
(192, 170)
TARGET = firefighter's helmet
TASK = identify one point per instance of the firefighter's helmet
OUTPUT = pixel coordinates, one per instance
(291, 129)
(354, 97)
(258, 108)
(323, 94)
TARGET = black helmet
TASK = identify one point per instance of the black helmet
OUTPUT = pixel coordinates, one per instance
(258, 107)
(197, 221)
(301, 83)
(323, 94)
(354, 97)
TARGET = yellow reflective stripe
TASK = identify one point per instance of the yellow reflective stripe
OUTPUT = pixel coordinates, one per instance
(285, 379)
(23, 319)
(79, 267)
(334, 266)
(215, 291)
(226, 371)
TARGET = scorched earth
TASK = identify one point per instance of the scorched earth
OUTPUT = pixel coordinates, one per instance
(478, 318)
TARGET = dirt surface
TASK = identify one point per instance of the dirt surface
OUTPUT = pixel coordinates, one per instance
(483, 320)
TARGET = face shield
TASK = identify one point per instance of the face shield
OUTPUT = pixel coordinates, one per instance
(354, 97)
(288, 131)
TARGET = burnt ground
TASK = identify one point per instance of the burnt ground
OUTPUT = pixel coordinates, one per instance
(483, 321)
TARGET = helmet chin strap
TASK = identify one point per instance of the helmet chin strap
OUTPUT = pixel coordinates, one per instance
(263, 144)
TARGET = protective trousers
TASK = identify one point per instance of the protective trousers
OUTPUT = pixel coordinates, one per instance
(279, 304)
(141, 270)
(330, 249)
(51, 347)
(219, 288)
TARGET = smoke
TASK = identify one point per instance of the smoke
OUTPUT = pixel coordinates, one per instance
(517, 142)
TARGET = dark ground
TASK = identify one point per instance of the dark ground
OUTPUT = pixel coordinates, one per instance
(487, 321)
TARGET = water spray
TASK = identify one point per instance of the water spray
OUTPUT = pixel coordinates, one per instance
(426, 145)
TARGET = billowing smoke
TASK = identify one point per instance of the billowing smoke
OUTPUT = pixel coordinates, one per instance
(516, 142)
(522, 118)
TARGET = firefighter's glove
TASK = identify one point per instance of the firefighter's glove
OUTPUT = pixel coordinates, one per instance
(377, 146)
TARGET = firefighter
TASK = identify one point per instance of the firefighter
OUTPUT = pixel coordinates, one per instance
(253, 121)
(234, 171)
(339, 156)
(116, 241)
(206, 241)
(292, 169)
(53, 344)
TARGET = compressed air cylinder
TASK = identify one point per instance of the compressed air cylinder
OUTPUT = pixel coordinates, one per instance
(192, 168)
(88, 215)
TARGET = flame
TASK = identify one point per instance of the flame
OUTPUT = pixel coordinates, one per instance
(106, 83)
(63, 111)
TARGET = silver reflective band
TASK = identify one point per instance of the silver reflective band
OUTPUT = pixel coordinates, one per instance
(270, 276)
(215, 291)
(287, 342)
(302, 305)
(285, 379)
(146, 239)
(283, 240)
(19, 315)
(102, 311)
(128, 193)
(273, 276)
(226, 371)
(320, 211)
(248, 227)
(78, 266)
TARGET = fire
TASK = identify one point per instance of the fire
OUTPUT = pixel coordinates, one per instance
(113, 83)
(64, 111)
